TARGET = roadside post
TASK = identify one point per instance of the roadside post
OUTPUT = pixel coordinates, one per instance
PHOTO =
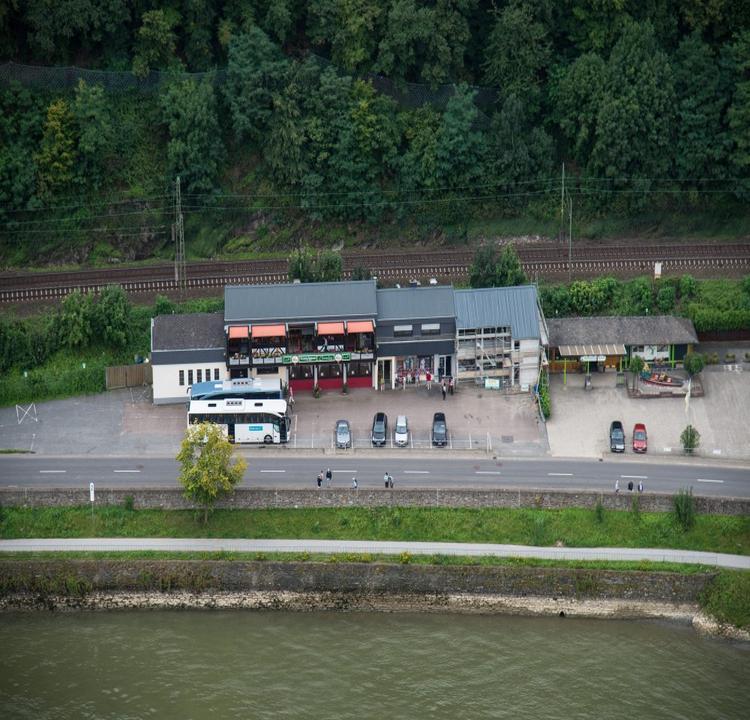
(91, 497)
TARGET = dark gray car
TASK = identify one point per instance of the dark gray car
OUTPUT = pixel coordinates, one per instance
(343, 434)
(379, 429)
(616, 437)
(439, 429)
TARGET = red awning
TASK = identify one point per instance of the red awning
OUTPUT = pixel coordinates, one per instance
(261, 331)
(238, 332)
(329, 328)
(357, 326)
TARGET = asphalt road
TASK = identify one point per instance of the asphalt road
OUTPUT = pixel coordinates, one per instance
(272, 470)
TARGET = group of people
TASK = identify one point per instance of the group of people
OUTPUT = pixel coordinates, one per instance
(445, 386)
(630, 486)
(327, 478)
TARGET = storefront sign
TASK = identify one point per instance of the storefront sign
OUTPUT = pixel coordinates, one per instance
(593, 358)
(492, 383)
(316, 358)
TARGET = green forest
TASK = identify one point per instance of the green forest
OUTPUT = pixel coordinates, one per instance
(377, 121)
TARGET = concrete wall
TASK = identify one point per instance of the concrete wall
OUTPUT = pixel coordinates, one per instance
(166, 380)
(71, 577)
(244, 497)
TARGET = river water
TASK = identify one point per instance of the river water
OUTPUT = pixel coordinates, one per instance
(237, 664)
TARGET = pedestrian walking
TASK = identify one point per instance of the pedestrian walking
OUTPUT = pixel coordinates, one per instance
(630, 485)
(291, 396)
(450, 385)
(617, 487)
(428, 377)
(444, 389)
(320, 479)
(354, 483)
(329, 477)
(640, 486)
(385, 479)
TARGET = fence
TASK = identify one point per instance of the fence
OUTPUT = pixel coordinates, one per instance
(122, 376)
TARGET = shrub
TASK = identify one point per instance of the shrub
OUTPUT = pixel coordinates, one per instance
(690, 438)
(404, 558)
(684, 509)
(688, 287)
(599, 512)
(729, 358)
(693, 363)
(747, 357)
(129, 503)
(544, 399)
(666, 299)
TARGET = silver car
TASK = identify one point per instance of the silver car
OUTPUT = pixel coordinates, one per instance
(343, 434)
(401, 435)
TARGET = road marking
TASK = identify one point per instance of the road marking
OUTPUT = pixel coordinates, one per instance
(486, 472)
(560, 474)
(53, 471)
(416, 472)
(127, 471)
(344, 471)
(709, 480)
(635, 477)
(274, 471)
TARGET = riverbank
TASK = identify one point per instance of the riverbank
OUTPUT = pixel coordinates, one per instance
(66, 585)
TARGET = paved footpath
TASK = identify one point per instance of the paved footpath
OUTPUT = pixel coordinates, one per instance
(375, 547)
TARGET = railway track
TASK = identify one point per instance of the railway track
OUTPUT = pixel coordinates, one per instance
(549, 261)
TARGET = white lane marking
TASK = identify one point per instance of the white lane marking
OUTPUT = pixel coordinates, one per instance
(709, 480)
(560, 474)
(486, 472)
(344, 471)
(635, 477)
(416, 472)
(274, 471)
(53, 471)
(126, 471)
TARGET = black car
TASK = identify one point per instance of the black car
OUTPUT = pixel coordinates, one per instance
(379, 429)
(439, 429)
(616, 437)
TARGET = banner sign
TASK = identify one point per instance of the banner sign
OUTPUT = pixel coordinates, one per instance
(316, 358)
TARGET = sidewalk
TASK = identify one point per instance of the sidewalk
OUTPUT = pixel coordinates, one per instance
(375, 547)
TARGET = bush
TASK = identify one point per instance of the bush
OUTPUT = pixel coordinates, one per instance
(688, 287)
(690, 439)
(129, 503)
(684, 509)
(404, 558)
(599, 513)
(544, 399)
(666, 299)
(729, 358)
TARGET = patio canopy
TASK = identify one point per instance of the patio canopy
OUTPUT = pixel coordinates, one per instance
(262, 331)
(238, 332)
(580, 350)
(331, 328)
(360, 326)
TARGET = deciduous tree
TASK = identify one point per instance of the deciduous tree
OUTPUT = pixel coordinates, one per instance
(156, 42)
(95, 132)
(57, 155)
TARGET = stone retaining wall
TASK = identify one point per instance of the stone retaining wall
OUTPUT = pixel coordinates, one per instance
(244, 497)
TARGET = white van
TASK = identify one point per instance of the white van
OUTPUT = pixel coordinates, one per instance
(401, 435)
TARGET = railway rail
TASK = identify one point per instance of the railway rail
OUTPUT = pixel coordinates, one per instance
(549, 261)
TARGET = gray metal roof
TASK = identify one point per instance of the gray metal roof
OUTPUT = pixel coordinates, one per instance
(194, 331)
(513, 307)
(416, 303)
(349, 299)
(621, 329)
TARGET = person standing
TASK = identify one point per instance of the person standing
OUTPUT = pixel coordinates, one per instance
(320, 479)
(617, 487)
(630, 485)
(385, 478)
(640, 486)
(329, 477)
(428, 377)
(444, 389)
(354, 483)
(450, 384)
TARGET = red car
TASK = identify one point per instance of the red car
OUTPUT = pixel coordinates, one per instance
(640, 438)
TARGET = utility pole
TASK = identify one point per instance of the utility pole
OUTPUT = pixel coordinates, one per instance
(178, 236)
(562, 203)
(570, 236)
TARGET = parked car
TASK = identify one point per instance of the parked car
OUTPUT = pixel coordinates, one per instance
(379, 429)
(401, 436)
(640, 438)
(616, 437)
(439, 429)
(343, 434)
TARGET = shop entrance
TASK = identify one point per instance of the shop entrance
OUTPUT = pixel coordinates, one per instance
(445, 366)
(385, 372)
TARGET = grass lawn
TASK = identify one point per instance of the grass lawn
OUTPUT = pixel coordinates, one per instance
(572, 527)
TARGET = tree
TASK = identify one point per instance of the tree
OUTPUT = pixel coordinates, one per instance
(361, 273)
(206, 470)
(306, 266)
(156, 42)
(509, 271)
(112, 316)
(693, 363)
(690, 439)
(666, 298)
(195, 150)
(329, 266)
(57, 156)
(635, 365)
(95, 131)
(739, 111)
(482, 270)
(76, 322)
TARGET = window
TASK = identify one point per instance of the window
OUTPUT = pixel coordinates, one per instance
(402, 330)
(266, 370)
(516, 344)
(190, 377)
(182, 377)
(208, 374)
(216, 373)
(199, 375)
(431, 329)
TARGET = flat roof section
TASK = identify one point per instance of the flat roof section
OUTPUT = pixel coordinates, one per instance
(299, 302)
(514, 307)
(621, 330)
(418, 303)
(194, 331)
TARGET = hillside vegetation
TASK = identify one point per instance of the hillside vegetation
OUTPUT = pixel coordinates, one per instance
(340, 121)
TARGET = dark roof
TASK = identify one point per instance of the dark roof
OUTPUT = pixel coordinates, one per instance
(416, 303)
(287, 302)
(195, 331)
(513, 307)
(621, 329)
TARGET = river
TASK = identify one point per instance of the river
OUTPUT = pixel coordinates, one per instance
(239, 664)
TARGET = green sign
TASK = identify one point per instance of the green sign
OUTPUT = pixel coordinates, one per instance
(316, 358)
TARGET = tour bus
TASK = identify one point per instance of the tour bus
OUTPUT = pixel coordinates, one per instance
(244, 421)
(246, 388)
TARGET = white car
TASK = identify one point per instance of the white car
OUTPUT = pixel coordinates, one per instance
(401, 435)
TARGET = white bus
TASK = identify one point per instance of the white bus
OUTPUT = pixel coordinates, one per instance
(244, 420)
